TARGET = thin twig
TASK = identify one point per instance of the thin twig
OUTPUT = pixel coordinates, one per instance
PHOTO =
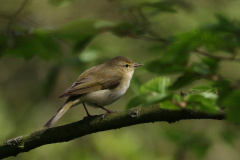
(145, 25)
(216, 57)
(8, 30)
(143, 21)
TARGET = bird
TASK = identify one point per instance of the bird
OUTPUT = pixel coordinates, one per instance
(98, 86)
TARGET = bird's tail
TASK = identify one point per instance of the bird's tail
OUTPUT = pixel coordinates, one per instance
(59, 114)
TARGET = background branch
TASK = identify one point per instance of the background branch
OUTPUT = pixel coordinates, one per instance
(216, 57)
(87, 126)
(14, 16)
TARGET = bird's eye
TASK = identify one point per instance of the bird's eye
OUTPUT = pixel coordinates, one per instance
(126, 65)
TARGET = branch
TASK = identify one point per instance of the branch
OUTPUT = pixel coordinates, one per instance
(14, 16)
(95, 124)
(216, 57)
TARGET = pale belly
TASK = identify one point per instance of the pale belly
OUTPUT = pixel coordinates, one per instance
(103, 97)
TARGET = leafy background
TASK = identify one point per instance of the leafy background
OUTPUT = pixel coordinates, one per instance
(188, 46)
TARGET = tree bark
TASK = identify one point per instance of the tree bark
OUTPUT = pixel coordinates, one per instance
(95, 124)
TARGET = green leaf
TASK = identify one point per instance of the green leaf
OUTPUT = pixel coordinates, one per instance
(81, 43)
(225, 24)
(200, 68)
(173, 102)
(204, 88)
(136, 101)
(153, 99)
(50, 46)
(203, 101)
(183, 80)
(225, 88)
(177, 97)
(169, 105)
(158, 85)
(82, 32)
(151, 92)
(177, 53)
(192, 40)
(157, 48)
(226, 31)
(161, 67)
(78, 30)
(232, 102)
(156, 90)
(40, 43)
(212, 63)
(89, 55)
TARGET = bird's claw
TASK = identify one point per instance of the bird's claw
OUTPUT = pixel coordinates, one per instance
(103, 116)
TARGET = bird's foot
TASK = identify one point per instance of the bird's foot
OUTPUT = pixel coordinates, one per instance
(108, 111)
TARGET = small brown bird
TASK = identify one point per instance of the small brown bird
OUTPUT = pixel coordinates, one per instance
(98, 86)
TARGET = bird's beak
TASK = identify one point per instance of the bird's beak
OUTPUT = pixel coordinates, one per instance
(137, 65)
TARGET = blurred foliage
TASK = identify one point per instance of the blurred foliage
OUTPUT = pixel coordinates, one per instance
(185, 40)
(204, 88)
(151, 92)
(196, 142)
(177, 56)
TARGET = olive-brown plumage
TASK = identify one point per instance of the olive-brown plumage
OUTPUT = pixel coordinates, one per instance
(99, 86)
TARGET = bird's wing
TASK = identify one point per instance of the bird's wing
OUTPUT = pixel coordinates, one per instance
(90, 82)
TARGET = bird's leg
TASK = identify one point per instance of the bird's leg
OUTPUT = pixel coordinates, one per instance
(86, 110)
(108, 111)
